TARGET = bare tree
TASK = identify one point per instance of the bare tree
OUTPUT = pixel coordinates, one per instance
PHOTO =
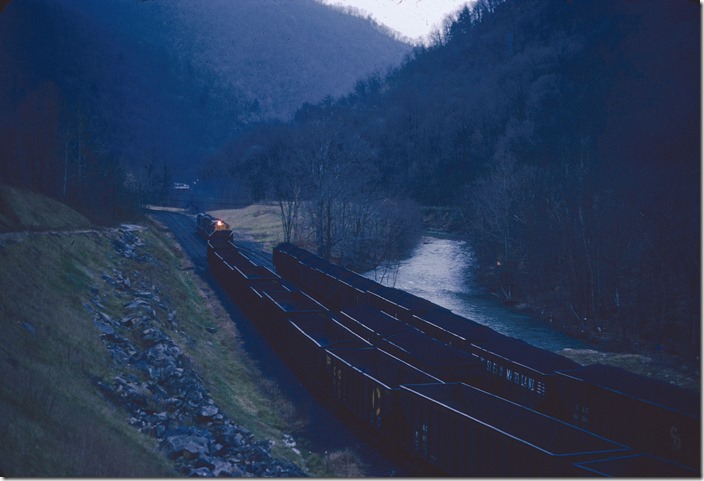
(498, 217)
(289, 185)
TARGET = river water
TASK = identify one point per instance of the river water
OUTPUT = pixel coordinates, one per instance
(440, 270)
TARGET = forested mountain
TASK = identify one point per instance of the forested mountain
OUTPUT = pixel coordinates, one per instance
(149, 88)
(566, 134)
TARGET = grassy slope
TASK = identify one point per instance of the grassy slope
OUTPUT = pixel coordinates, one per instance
(24, 210)
(54, 421)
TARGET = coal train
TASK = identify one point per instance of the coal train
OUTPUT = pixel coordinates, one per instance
(456, 397)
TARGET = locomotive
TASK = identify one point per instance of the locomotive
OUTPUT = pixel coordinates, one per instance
(206, 224)
(453, 395)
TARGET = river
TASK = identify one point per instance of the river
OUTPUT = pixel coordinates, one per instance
(440, 270)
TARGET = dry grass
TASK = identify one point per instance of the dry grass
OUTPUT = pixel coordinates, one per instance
(233, 379)
(647, 366)
(258, 222)
(344, 463)
(235, 382)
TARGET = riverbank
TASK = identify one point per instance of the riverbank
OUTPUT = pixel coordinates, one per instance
(440, 270)
(607, 344)
(607, 347)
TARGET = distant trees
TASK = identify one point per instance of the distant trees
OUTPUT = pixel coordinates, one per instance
(499, 211)
(53, 148)
(289, 189)
(569, 241)
(176, 80)
(328, 189)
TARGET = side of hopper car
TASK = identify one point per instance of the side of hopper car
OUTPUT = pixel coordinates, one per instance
(520, 372)
(309, 336)
(652, 415)
(366, 382)
(638, 466)
(462, 429)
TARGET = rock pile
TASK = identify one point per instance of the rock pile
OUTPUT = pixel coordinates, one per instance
(128, 242)
(162, 394)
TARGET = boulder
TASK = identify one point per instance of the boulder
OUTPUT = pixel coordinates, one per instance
(225, 468)
(152, 336)
(103, 327)
(140, 305)
(128, 321)
(208, 411)
(189, 446)
(201, 473)
(204, 461)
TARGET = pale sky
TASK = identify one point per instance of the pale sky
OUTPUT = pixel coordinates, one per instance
(412, 18)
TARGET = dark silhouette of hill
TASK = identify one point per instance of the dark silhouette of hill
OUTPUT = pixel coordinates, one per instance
(168, 81)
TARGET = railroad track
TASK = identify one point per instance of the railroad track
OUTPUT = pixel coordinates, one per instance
(325, 431)
(183, 228)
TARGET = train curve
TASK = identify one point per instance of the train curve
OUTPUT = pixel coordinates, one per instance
(420, 378)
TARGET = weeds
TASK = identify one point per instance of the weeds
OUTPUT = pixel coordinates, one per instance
(344, 463)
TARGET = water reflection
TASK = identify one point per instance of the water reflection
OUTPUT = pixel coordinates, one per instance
(439, 270)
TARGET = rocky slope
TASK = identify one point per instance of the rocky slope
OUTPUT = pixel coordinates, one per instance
(157, 386)
(117, 361)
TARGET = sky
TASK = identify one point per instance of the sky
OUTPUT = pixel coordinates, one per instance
(412, 18)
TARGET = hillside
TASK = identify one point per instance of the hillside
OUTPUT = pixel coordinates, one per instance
(164, 83)
(100, 326)
(22, 210)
